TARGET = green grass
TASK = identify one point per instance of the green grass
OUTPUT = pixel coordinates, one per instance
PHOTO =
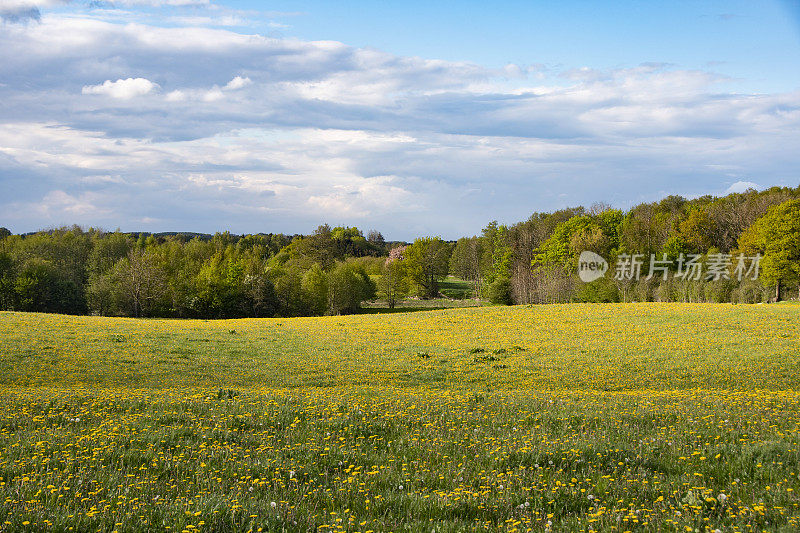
(456, 288)
(410, 305)
(486, 418)
(454, 293)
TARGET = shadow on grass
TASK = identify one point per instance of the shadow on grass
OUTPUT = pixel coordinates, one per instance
(386, 310)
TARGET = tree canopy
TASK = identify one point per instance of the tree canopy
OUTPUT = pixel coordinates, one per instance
(776, 236)
(335, 269)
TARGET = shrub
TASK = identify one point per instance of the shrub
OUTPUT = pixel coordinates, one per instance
(500, 291)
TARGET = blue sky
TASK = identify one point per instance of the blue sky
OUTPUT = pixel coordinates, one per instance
(755, 41)
(412, 118)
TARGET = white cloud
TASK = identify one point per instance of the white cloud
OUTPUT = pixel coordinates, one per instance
(60, 201)
(237, 83)
(96, 179)
(288, 133)
(196, 20)
(175, 96)
(742, 186)
(28, 4)
(363, 197)
(212, 95)
(122, 89)
(58, 207)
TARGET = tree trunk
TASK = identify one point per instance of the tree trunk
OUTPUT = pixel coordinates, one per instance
(778, 291)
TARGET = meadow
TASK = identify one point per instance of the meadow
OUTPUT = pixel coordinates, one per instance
(579, 417)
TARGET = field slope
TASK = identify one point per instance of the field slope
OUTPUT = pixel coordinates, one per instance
(629, 417)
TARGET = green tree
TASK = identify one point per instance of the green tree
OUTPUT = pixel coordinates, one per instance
(595, 233)
(348, 286)
(496, 259)
(103, 295)
(525, 238)
(260, 292)
(319, 247)
(35, 285)
(288, 291)
(220, 286)
(645, 228)
(326, 246)
(315, 288)
(7, 282)
(427, 263)
(40, 287)
(378, 243)
(107, 250)
(776, 236)
(697, 231)
(393, 283)
(465, 261)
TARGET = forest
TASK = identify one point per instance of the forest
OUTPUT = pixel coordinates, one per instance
(334, 270)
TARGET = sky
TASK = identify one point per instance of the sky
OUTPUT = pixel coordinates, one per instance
(412, 118)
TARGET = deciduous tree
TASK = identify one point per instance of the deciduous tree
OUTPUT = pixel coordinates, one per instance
(427, 263)
(776, 236)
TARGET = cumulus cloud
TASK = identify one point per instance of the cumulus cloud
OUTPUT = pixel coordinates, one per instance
(175, 96)
(212, 95)
(205, 126)
(62, 203)
(122, 89)
(742, 186)
(237, 83)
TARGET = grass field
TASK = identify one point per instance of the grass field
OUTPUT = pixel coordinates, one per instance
(454, 292)
(629, 417)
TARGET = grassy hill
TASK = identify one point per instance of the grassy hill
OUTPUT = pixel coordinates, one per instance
(573, 346)
(639, 417)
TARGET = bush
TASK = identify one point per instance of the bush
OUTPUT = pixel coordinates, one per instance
(720, 291)
(348, 286)
(751, 292)
(599, 291)
(500, 291)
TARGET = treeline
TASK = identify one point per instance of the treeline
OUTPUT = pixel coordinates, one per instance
(536, 261)
(334, 270)
(70, 270)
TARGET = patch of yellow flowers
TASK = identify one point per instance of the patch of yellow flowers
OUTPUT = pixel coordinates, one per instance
(554, 418)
